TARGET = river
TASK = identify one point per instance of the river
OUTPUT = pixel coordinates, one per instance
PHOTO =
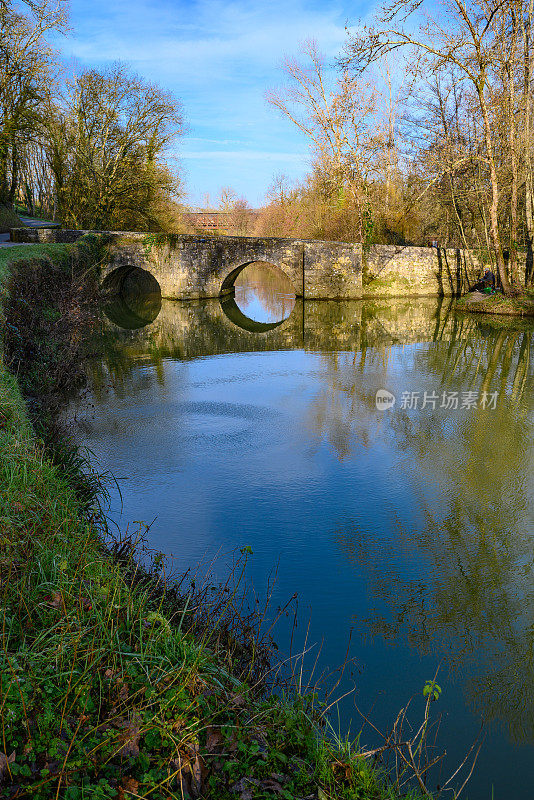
(254, 422)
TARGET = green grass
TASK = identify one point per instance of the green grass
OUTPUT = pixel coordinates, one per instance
(521, 306)
(112, 683)
(59, 253)
(9, 219)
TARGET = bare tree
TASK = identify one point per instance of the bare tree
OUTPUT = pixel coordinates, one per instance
(339, 120)
(480, 39)
(28, 72)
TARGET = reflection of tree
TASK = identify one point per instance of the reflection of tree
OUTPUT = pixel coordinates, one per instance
(345, 411)
(469, 473)
(120, 354)
(270, 286)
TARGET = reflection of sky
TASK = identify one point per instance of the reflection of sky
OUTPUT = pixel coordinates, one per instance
(285, 452)
(264, 294)
(254, 306)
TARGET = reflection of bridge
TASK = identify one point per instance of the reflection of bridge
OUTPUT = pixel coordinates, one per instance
(189, 330)
(189, 267)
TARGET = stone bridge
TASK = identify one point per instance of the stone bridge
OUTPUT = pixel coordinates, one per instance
(188, 267)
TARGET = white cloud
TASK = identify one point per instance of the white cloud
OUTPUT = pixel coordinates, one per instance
(219, 58)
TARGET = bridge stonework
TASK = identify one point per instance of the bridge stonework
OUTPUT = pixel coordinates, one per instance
(189, 266)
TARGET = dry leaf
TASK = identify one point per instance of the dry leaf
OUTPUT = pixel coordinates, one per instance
(183, 773)
(124, 692)
(129, 785)
(214, 740)
(5, 761)
(272, 786)
(238, 701)
(196, 779)
(56, 601)
(129, 737)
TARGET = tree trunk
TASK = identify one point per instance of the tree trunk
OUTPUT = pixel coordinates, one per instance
(494, 207)
(529, 182)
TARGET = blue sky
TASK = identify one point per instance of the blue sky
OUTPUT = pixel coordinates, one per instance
(219, 58)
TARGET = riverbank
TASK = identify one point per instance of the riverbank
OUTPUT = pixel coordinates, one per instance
(478, 303)
(112, 684)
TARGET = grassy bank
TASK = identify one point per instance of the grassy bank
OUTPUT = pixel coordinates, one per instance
(114, 684)
(478, 303)
(9, 219)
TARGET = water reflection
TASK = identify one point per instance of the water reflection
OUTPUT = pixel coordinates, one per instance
(236, 315)
(133, 297)
(263, 294)
(469, 473)
(414, 525)
(134, 312)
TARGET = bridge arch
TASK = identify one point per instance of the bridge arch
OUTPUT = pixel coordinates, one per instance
(228, 283)
(130, 278)
(132, 296)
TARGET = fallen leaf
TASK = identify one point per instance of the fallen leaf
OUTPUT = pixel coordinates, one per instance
(182, 769)
(214, 739)
(5, 761)
(129, 785)
(196, 779)
(272, 786)
(233, 745)
(124, 692)
(56, 601)
(238, 701)
(129, 737)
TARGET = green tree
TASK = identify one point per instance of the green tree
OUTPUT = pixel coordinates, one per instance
(107, 144)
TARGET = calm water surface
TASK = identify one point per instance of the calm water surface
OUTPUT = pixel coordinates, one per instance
(253, 422)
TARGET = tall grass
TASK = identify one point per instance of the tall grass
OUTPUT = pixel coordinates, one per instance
(117, 680)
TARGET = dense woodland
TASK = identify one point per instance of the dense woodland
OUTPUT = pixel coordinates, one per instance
(91, 150)
(422, 132)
